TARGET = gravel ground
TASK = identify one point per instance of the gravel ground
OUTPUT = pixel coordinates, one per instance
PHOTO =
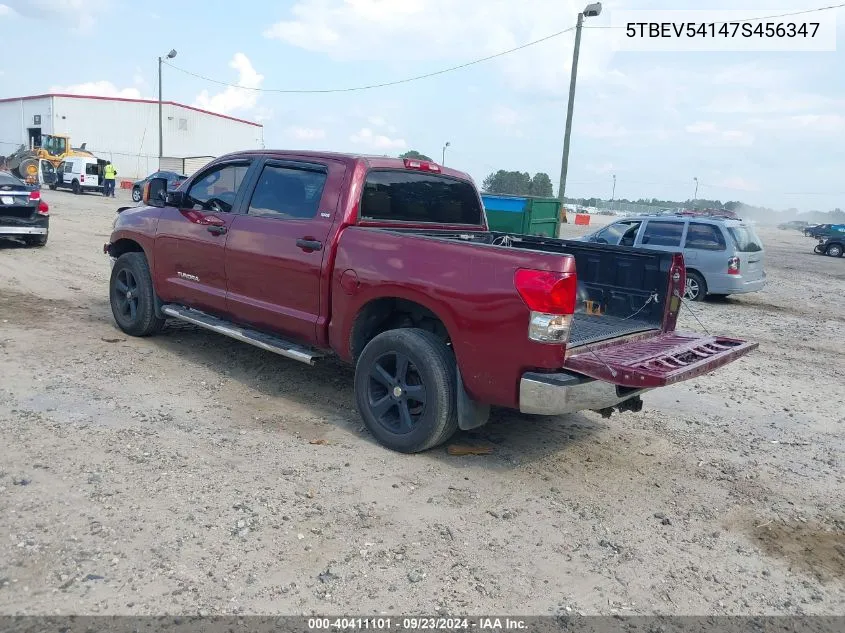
(189, 473)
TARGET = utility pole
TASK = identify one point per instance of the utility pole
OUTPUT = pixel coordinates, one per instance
(170, 55)
(695, 196)
(613, 195)
(443, 161)
(591, 10)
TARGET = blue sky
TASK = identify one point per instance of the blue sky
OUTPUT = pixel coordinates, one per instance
(765, 128)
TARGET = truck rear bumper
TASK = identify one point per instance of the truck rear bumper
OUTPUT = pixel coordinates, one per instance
(563, 392)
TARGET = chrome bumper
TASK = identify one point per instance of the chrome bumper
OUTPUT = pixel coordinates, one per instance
(23, 230)
(557, 394)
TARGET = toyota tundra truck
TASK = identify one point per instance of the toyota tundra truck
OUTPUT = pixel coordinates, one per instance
(389, 265)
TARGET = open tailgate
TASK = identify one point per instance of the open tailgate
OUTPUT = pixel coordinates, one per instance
(659, 361)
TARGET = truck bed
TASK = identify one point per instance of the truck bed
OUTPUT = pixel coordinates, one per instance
(621, 290)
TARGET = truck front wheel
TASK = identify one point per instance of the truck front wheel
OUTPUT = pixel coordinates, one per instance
(132, 296)
(405, 388)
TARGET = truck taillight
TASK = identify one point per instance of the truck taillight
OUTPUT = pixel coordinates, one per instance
(35, 195)
(81, 177)
(551, 298)
(733, 266)
(43, 208)
(422, 165)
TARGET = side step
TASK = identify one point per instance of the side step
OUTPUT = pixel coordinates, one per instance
(265, 341)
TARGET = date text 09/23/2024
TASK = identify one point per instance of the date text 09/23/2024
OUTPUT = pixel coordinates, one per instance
(417, 624)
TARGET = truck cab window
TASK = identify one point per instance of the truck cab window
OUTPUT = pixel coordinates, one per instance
(287, 193)
(406, 196)
(216, 190)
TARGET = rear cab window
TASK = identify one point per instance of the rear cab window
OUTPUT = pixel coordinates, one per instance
(745, 239)
(393, 195)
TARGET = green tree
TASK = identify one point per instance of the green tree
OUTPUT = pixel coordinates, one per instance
(414, 154)
(541, 185)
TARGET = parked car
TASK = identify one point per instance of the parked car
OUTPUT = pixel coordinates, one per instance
(388, 264)
(723, 256)
(79, 174)
(173, 182)
(797, 225)
(825, 230)
(832, 246)
(23, 214)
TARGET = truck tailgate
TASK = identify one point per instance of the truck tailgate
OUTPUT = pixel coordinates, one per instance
(655, 362)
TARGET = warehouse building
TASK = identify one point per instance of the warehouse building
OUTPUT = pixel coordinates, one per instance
(125, 131)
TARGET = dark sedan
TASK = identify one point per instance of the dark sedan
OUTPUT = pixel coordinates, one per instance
(173, 182)
(23, 213)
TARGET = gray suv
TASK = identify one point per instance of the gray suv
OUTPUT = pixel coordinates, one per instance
(723, 256)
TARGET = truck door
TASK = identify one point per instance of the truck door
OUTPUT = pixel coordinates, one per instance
(190, 240)
(276, 249)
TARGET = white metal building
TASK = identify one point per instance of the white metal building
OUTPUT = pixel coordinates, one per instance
(125, 131)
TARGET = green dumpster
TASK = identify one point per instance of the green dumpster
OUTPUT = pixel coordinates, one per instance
(524, 215)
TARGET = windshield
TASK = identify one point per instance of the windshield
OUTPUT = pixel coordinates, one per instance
(745, 239)
(407, 196)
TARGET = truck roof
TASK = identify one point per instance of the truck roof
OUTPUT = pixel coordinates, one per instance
(372, 161)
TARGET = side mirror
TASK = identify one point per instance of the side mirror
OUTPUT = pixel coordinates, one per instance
(155, 192)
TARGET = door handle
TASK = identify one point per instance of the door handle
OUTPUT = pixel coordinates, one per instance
(309, 245)
(217, 230)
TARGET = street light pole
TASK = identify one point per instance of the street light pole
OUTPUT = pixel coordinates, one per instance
(613, 195)
(170, 55)
(443, 161)
(591, 10)
(695, 197)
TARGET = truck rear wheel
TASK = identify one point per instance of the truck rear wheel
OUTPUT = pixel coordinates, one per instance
(405, 388)
(132, 296)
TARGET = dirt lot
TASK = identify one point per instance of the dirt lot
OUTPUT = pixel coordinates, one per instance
(179, 474)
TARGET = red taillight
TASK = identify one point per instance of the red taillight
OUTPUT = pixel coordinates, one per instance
(81, 177)
(35, 195)
(545, 291)
(422, 165)
(733, 266)
(43, 208)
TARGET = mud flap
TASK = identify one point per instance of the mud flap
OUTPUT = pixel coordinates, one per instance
(471, 414)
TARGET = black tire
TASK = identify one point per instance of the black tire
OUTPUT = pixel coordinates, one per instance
(416, 411)
(132, 296)
(834, 250)
(75, 187)
(53, 187)
(136, 194)
(696, 289)
(36, 240)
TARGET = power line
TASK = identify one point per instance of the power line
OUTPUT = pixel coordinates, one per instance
(380, 85)
(767, 17)
(459, 66)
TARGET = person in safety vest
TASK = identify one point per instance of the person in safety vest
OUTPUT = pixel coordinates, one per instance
(109, 173)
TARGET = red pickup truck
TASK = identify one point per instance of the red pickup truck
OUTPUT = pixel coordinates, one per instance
(389, 265)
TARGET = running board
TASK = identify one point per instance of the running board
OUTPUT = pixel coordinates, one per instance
(265, 341)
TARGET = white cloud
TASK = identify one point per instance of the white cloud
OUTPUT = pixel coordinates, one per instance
(234, 99)
(98, 89)
(377, 121)
(76, 13)
(5, 10)
(306, 133)
(711, 134)
(371, 140)
(738, 183)
(505, 116)
(602, 129)
(425, 30)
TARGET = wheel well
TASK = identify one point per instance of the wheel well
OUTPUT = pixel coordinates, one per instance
(124, 246)
(390, 313)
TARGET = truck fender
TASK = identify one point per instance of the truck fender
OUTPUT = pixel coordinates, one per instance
(471, 414)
